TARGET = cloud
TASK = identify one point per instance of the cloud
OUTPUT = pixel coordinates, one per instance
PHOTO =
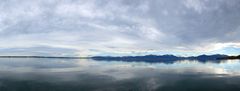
(92, 27)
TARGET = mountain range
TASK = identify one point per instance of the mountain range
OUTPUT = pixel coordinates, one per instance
(166, 58)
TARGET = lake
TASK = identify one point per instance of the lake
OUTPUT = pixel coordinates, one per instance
(43, 74)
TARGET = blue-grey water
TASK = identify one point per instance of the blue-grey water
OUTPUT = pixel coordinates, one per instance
(42, 74)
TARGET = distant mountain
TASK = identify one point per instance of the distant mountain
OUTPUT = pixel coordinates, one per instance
(207, 57)
(147, 58)
(161, 58)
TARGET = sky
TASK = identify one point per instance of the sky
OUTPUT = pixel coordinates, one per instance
(119, 27)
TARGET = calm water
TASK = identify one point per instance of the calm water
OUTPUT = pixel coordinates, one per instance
(89, 75)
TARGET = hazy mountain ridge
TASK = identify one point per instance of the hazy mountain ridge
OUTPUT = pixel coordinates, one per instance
(162, 58)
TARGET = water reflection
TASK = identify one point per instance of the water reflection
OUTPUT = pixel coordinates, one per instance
(90, 75)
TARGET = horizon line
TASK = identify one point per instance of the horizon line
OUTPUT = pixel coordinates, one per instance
(82, 57)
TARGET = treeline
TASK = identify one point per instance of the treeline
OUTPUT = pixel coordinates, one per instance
(231, 57)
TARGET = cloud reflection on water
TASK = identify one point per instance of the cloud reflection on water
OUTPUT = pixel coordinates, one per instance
(114, 75)
(118, 68)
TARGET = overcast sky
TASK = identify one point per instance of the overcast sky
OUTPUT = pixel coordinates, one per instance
(119, 27)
